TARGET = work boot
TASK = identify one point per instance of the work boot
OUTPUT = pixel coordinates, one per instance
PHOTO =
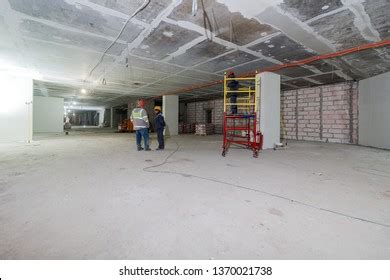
(139, 148)
(147, 148)
(159, 149)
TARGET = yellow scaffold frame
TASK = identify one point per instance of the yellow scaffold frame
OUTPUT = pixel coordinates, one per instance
(241, 128)
(249, 90)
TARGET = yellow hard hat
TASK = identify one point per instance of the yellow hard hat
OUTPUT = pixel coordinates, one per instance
(157, 108)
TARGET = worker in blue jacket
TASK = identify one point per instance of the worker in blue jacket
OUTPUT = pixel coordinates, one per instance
(159, 125)
(233, 85)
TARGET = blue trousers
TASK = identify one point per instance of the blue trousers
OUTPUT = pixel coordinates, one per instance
(233, 108)
(143, 132)
(160, 138)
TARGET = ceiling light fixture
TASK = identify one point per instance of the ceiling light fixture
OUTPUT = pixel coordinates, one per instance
(83, 91)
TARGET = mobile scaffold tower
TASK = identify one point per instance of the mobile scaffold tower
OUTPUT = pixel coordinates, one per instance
(242, 128)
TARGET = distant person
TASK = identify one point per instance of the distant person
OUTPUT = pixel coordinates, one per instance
(233, 85)
(141, 125)
(159, 125)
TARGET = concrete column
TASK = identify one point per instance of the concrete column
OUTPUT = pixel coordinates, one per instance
(101, 117)
(374, 111)
(30, 111)
(171, 114)
(269, 108)
(112, 117)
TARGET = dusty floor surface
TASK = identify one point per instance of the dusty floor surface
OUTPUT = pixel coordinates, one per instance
(86, 196)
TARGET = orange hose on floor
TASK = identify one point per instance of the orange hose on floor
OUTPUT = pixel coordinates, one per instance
(283, 66)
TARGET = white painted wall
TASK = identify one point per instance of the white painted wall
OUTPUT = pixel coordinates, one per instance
(171, 114)
(15, 114)
(374, 111)
(270, 108)
(48, 114)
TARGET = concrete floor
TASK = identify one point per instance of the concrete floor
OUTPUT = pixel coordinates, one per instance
(86, 196)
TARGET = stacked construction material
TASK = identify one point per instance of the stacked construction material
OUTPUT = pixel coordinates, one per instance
(125, 126)
(204, 129)
(181, 128)
(190, 128)
(186, 128)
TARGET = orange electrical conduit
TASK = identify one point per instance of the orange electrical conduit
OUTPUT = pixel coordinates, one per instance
(282, 66)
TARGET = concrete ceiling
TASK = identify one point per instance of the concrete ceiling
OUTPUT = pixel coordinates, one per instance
(165, 47)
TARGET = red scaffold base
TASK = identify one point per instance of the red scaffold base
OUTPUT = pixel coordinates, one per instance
(241, 130)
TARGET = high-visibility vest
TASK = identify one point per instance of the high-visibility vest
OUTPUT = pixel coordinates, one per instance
(139, 118)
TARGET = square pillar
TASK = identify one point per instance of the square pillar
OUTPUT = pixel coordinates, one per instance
(269, 108)
(112, 117)
(171, 114)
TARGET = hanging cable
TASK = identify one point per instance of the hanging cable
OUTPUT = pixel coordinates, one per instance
(140, 9)
(216, 27)
(207, 21)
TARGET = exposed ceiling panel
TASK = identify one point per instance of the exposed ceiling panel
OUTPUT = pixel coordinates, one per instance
(370, 62)
(300, 83)
(151, 65)
(232, 27)
(165, 39)
(73, 14)
(227, 61)
(379, 14)
(295, 72)
(322, 66)
(199, 53)
(249, 66)
(40, 31)
(166, 47)
(328, 78)
(308, 9)
(129, 7)
(200, 75)
(276, 48)
(340, 29)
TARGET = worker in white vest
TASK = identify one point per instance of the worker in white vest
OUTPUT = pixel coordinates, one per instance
(139, 118)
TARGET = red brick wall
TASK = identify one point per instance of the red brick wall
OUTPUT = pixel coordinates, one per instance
(326, 113)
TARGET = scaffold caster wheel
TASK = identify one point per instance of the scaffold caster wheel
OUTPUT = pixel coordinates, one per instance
(223, 153)
(255, 154)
